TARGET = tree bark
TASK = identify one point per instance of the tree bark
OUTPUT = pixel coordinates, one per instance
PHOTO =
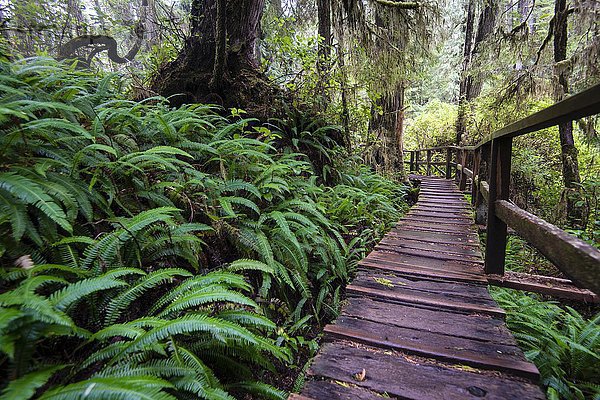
(465, 81)
(324, 51)
(388, 128)
(242, 21)
(575, 209)
(485, 27)
(471, 84)
(345, 117)
(242, 85)
(220, 46)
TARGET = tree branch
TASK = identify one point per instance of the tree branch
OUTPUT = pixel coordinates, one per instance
(546, 39)
(405, 5)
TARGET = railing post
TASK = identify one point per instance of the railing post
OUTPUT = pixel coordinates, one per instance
(417, 166)
(475, 180)
(484, 165)
(448, 163)
(463, 177)
(456, 170)
(428, 162)
(412, 161)
(499, 181)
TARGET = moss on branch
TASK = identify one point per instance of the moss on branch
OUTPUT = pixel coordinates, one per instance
(398, 4)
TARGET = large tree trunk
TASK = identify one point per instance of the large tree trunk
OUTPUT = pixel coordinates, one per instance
(576, 213)
(388, 128)
(241, 84)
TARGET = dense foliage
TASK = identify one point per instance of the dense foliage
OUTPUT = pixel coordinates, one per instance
(172, 247)
(563, 345)
(195, 252)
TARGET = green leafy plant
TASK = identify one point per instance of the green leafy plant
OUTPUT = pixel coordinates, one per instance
(563, 345)
(183, 251)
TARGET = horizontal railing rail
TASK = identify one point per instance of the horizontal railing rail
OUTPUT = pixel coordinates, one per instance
(487, 167)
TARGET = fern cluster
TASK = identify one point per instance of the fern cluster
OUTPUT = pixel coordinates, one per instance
(146, 250)
(563, 345)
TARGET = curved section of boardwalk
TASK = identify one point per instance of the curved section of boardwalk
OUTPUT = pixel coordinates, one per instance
(419, 322)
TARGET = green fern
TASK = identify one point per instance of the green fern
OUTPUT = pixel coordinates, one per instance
(24, 387)
(31, 193)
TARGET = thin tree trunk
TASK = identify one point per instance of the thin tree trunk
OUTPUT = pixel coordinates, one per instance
(400, 131)
(471, 83)
(151, 25)
(575, 208)
(465, 81)
(485, 27)
(324, 51)
(344, 96)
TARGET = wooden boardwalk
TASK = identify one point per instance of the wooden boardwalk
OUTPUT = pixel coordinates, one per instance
(419, 322)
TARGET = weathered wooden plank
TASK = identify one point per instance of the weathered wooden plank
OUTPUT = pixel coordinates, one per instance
(435, 237)
(442, 187)
(445, 222)
(425, 300)
(542, 285)
(483, 355)
(418, 380)
(440, 190)
(411, 270)
(436, 216)
(442, 206)
(336, 390)
(437, 199)
(432, 249)
(456, 231)
(410, 238)
(454, 249)
(296, 396)
(436, 255)
(416, 258)
(371, 277)
(446, 321)
(430, 221)
(437, 213)
(574, 257)
(440, 228)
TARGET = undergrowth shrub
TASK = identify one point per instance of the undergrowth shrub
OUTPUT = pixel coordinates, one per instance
(564, 346)
(152, 252)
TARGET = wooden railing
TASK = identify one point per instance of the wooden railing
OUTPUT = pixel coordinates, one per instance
(487, 166)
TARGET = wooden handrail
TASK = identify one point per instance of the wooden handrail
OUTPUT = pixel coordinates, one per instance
(575, 258)
(580, 105)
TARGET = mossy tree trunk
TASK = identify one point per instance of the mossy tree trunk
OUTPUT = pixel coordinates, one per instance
(465, 79)
(234, 80)
(388, 126)
(575, 206)
(471, 83)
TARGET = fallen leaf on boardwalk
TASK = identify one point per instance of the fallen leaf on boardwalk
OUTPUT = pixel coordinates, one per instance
(360, 376)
